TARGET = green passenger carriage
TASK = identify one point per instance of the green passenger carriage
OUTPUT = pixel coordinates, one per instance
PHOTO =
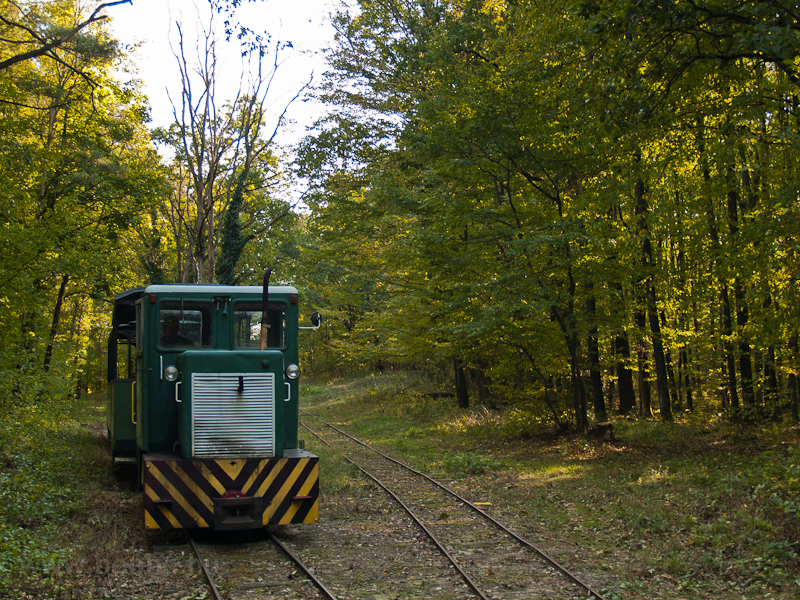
(203, 396)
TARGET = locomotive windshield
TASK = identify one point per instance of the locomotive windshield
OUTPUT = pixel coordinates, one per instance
(247, 325)
(185, 324)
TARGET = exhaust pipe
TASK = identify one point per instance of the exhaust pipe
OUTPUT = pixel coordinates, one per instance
(264, 303)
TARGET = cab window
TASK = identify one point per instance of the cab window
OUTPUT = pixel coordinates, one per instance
(247, 325)
(184, 324)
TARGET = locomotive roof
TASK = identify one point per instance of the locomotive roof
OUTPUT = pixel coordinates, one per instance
(129, 296)
(207, 288)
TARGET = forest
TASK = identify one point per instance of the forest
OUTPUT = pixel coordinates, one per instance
(573, 210)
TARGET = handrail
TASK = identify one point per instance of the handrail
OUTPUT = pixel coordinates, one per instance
(133, 402)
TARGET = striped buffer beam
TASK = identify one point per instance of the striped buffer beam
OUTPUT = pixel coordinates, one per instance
(232, 493)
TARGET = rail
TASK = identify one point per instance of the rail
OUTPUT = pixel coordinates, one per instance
(531, 546)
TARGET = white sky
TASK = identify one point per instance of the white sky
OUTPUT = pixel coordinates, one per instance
(306, 23)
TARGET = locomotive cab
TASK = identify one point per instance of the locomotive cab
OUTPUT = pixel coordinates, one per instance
(216, 409)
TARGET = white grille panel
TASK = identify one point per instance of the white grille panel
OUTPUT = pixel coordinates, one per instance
(227, 422)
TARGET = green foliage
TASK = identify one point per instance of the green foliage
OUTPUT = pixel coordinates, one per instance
(77, 170)
(512, 185)
(233, 241)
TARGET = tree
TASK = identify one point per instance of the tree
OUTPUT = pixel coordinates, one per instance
(77, 170)
(218, 147)
(475, 206)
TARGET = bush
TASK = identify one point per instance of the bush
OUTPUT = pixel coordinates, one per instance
(468, 463)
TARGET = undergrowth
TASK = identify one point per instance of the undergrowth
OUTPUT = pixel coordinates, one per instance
(46, 458)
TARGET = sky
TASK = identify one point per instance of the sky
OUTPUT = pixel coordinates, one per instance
(151, 23)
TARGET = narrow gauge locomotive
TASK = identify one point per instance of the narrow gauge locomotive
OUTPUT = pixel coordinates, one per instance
(203, 396)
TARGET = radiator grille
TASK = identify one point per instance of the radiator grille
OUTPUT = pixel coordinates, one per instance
(233, 414)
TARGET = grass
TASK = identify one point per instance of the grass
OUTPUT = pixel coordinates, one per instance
(667, 511)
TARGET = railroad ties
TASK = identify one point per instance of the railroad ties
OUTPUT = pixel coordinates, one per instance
(250, 563)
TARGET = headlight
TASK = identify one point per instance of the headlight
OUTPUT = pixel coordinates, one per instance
(292, 371)
(171, 373)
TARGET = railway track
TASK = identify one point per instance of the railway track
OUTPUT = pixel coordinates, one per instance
(490, 560)
(254, 566)
(415, 538)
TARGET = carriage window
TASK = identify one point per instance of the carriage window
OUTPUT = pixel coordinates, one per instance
(126, 359)
(247, 325)
(184, 324)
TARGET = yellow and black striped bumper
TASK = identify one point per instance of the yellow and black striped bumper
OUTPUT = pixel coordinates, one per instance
(230, 493)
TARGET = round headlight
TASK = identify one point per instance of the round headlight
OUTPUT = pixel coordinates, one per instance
(171, 373)
(293, 371)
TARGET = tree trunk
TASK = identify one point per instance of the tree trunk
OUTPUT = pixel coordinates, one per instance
(51, 339)
(729, 360)
(643, 374)
(745, 362)
(622, 349)
(627, 396)
(674, 383)
(643, 286)
(567, 325)
(662, 385)
(793, 383)
(593, 352)
(684, 371)
(482, 383)
(462, 393)
(738, 206)
(75, 334)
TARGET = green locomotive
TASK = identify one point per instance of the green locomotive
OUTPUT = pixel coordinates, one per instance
(203, 396)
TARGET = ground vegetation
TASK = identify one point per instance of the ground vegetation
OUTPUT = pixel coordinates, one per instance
(681, 510)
